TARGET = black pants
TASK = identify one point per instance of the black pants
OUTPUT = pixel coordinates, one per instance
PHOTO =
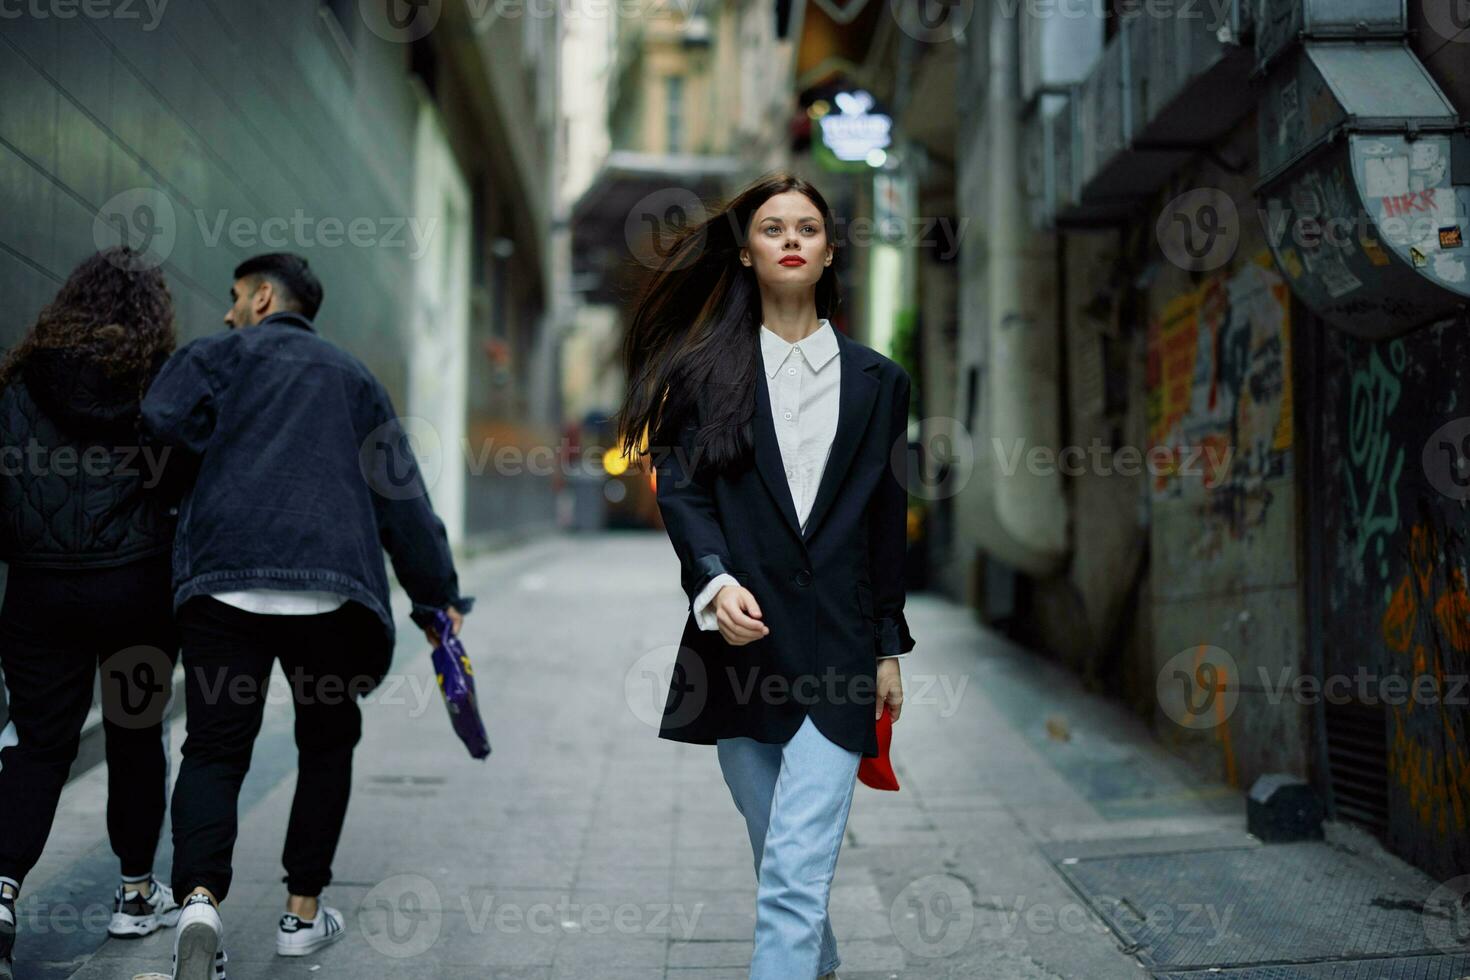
(57, 627)
(329, 660)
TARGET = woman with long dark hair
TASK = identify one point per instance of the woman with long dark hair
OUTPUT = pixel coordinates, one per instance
(772, 437)
(85, 529)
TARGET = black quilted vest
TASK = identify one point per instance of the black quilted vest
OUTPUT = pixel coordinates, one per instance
(77, 490)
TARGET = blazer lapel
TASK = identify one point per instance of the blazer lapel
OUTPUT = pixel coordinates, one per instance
(768, 452)
(857, 391)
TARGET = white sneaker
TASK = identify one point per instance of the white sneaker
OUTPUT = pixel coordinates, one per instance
(297, 936)
(7, 938)
(199, 952)
(135, 914)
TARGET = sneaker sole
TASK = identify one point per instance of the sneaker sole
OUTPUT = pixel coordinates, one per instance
(138, 926)
(198, 944)
(304, 950)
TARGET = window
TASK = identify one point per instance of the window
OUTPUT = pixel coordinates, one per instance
(674, 112)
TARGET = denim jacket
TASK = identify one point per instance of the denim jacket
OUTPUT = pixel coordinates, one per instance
(302, 475)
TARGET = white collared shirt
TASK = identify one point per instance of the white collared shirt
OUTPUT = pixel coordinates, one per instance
(804, 381)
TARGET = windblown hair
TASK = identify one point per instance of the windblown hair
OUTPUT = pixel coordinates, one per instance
(115, 309)
(693, 344)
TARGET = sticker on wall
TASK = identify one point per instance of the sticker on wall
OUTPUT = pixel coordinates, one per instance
(1292, 262)
(1419, 259)
(1385, 176)
(1449, 268)
(1451, 237)
(1427, 162)
(1373, 250)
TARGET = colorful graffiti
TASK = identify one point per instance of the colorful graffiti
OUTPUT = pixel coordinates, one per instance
(1396, 586)
(1426, 626)
(1220, 389)
(1375, 465)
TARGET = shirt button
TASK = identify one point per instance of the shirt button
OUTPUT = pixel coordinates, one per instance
(791, 370)
(802, 578)
(788, 416)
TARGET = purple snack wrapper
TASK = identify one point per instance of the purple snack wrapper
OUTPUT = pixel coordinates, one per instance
(457, 684)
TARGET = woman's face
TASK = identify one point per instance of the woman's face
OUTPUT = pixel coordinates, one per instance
(788, 242)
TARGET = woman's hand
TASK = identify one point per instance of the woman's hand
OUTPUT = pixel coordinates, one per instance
(739, 616)
(890, 689)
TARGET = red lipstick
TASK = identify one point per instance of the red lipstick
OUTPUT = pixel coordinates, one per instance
(793, 260)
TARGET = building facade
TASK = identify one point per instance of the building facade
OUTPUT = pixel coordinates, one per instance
(1216, 464)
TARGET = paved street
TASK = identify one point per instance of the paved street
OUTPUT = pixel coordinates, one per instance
(586, 847)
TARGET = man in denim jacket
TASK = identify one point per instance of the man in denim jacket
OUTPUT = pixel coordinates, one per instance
(301, 477)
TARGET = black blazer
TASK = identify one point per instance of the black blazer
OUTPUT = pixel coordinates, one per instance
(832, 598)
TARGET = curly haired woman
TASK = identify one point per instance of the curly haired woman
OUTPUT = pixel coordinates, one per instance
(86, 530)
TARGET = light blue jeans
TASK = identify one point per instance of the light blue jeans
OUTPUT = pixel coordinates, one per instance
(795, 798)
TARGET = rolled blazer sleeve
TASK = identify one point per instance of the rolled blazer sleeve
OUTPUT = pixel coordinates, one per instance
(888, 538)
(691, 518)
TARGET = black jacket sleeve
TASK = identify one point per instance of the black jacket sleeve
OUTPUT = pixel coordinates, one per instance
(888, 533)
(411, 533)
(691, 518)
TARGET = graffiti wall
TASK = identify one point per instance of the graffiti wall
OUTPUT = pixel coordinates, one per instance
(1396, 475)
(1224, 524)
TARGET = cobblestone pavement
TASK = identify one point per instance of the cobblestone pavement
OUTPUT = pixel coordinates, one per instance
(586, 847)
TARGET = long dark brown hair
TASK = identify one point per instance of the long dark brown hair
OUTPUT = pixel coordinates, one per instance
(114, 309)
(693, 341)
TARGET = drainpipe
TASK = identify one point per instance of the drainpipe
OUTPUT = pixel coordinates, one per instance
(1023, 340)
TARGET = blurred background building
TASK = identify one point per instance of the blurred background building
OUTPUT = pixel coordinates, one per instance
(411, 161)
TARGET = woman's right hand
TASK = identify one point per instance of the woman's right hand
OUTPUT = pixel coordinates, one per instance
(739, 616)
